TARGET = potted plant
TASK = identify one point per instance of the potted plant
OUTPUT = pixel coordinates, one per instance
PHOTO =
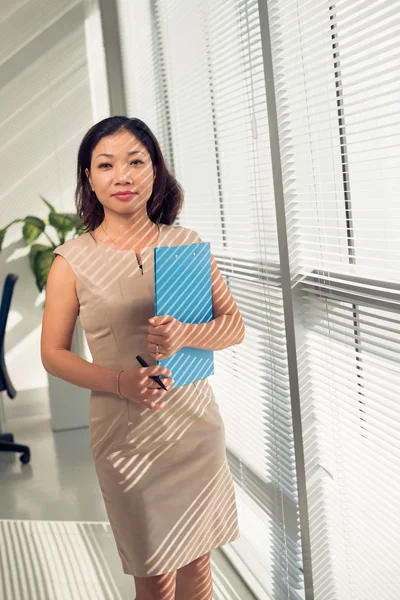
(68, 403)
(41, 255)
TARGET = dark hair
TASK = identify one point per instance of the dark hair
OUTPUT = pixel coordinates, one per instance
(166, 199)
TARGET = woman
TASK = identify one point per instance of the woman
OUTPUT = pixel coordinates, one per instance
(160, 455)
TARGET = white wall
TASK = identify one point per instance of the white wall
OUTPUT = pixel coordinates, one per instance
(53, 88)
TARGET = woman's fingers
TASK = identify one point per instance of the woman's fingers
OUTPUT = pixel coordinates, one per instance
(167, 381)
(156, 370)
(153, 405)
(151, 394)
(155, 339)
(154, 394)
(152, 348)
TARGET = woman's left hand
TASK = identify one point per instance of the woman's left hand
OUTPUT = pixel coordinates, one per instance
(168, 333)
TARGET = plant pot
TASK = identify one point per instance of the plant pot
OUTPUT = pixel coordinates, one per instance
(69, 404)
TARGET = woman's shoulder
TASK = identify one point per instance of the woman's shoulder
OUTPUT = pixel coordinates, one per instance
(178, 235)
(75, 246)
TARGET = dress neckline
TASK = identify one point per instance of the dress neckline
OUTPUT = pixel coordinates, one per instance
(154, 244)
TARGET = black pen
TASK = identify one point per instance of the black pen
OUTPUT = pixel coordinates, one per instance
(155, 377)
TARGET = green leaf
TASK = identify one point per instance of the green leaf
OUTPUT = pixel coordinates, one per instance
(64, 222)
(3, 231)
(32, 228)
(43, 261)
(2, 236)
(52, 209)
(78, 224)
(35, 248)
(81, 229)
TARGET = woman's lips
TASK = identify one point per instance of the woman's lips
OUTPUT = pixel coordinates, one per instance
(125, 196)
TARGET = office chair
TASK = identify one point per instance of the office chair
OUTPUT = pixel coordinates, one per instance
(7, 439)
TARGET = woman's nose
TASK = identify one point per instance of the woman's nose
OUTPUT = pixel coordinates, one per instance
(122, 174)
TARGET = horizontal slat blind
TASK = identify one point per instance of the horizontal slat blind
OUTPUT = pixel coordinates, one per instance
(142, 60)
(337, 87)
(352, 427)
(220, 137)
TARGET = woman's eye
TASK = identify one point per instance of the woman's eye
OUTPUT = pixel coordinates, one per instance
(137, 161)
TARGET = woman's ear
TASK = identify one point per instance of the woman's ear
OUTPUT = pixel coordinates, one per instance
(154, 172)
(88, 176)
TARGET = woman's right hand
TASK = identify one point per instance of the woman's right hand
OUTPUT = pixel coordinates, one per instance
(137, 385)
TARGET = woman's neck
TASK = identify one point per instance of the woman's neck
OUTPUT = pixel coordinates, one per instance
(128, 235)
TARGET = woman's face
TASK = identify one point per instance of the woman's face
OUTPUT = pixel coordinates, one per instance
(121, 163)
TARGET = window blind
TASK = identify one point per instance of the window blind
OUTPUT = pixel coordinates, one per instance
(143, 69)
(337, 90)
(211, 66)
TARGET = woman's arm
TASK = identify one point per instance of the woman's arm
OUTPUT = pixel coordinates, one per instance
(59, 318)
(226, 328)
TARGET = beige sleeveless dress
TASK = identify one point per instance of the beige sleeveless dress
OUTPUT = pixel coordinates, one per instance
(163, 474)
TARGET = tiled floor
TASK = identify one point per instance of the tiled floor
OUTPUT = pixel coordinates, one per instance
(55, 504)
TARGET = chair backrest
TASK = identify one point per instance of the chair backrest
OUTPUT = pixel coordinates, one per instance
(8, 290)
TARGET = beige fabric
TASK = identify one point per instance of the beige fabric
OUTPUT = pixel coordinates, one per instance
(163, 474)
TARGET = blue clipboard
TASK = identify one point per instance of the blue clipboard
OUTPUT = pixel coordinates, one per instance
(182, 289)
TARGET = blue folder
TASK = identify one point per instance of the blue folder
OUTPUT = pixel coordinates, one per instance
(182, 289)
